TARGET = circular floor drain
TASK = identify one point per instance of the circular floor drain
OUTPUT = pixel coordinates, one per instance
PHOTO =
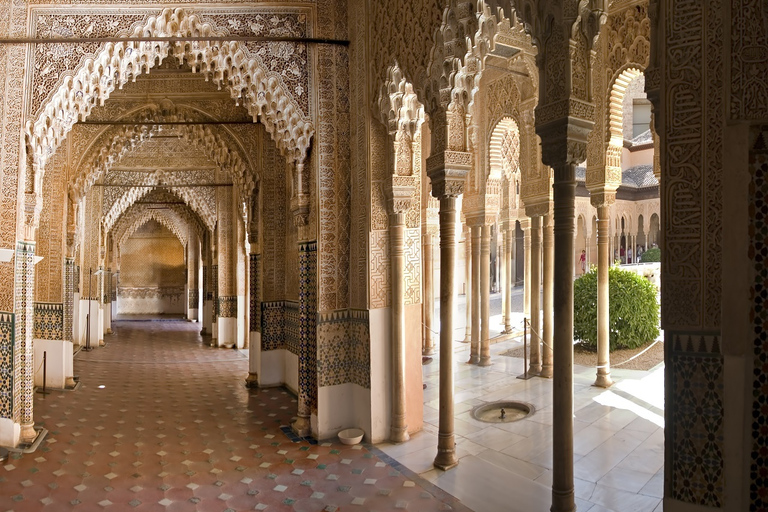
(502, 412)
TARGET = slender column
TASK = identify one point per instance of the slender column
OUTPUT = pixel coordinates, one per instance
(107, 296)
(603, 379)
(549, 290)
(308, 341)
(226, 320)
(254, 347)
(398, 428)
(24, 309)
(485, 289)
(564, 192)
(535, 307)
(525, 225)
(468, 282)
(428, 348)
(193, 287)
(507, 286)
(474, 351)
(446, 444)
(100, 301)
(69, 309)
(502, 264)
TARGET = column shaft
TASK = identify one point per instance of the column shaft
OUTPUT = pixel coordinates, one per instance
(468, 282)
(428, 347)
(398, 428)
(507, 286)
(24, 310)
(226, 320)
(193, 270)
(549, 290)
(525, 225)
(485, 289)
(603, 299)
(535, 307)
(446, 444)
(564, 191)
(474, 351)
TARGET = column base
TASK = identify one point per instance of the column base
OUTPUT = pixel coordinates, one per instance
(563, 501)
(109, 330)
(101, 343)
(252, 380)
(466, 339)
(446, 459)
(473, 359)
(28, 433)
(301, 427)
(399, 435)
(603, 380)
(534, 369)
(69, 383)
(485, 361)
(546, 372)
(429, 351)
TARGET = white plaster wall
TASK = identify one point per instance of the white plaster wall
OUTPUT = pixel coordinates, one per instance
(254, 353)
(633, 158)
(381, 374)
(340, 407)
(272, 368)
(76, 319)
(9, 432)
(242, 327)
(81, 323)
(292, 371)
(58, 355)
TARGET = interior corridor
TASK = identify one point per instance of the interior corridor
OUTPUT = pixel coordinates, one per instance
(161, 421)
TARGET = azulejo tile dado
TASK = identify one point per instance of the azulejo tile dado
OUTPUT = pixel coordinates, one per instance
(7, 381)
(49, 321)
(344, 348)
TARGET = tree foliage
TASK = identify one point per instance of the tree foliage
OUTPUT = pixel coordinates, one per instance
(633, 309)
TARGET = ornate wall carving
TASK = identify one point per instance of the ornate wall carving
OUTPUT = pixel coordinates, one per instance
(749, 60)
(50, 235)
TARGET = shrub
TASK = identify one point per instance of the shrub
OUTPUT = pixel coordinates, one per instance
(651, 255)
(633, 310)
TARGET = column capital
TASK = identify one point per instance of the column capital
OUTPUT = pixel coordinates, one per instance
(564, 139)
(603, 197)
(400, 191)
(538, 209)
(448, 171)
(480, 218)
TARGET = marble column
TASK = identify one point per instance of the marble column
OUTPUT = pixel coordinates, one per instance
(485, 300)
(507, 278)
(24, 323)
(254, 346)
(226, 320)
(468, 282)
(535, 304)
(193, 270)
(107, 298)
(100, 289)
(474, 351)
(564, 191)
(548, 274)
(428, 347)
(525, 226)
(398, 432)
(446, 444)
(603, 378)
(308, 334)
(69, 313)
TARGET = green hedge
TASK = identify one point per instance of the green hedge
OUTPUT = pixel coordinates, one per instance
(651, 255)
(634, 310)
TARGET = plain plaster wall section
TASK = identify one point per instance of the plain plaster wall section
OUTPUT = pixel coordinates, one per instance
(381, 373)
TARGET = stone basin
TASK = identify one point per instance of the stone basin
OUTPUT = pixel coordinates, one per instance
(512, 411)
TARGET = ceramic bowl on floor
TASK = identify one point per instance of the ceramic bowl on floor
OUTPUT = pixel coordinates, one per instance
(351, 436)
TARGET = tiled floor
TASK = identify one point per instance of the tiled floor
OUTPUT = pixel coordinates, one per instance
(162, 422)
(618, 441)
